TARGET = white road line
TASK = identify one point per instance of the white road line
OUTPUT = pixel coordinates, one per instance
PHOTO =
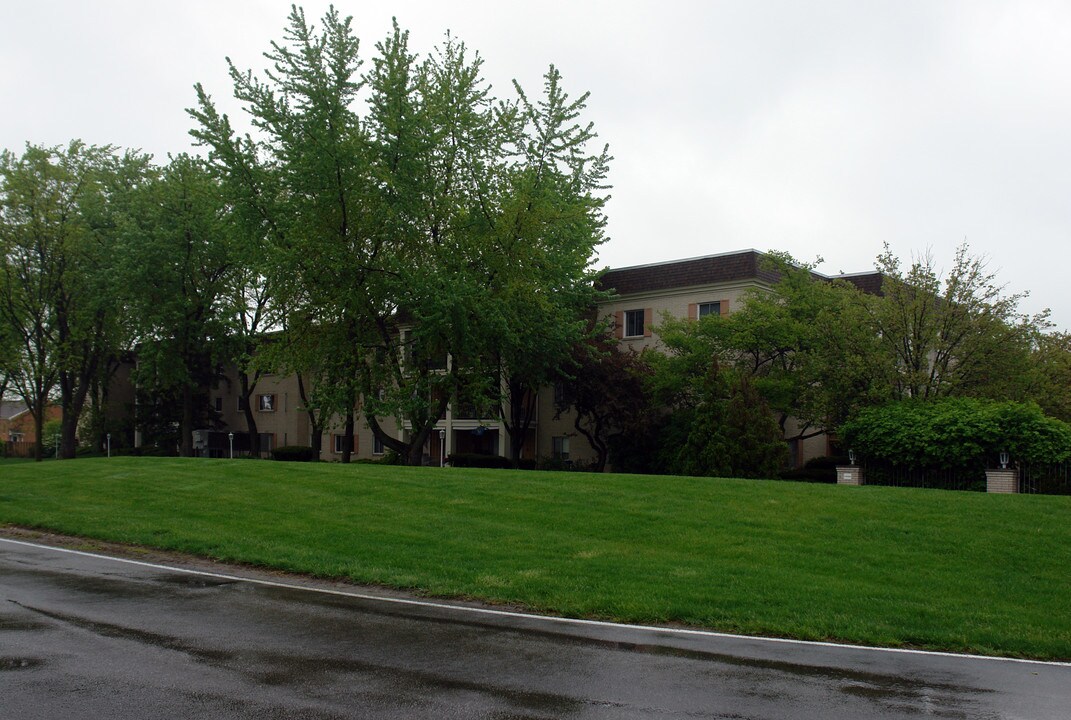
(530, 616)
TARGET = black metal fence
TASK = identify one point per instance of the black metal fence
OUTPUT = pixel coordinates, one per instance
(877, 473)
(1045, 478)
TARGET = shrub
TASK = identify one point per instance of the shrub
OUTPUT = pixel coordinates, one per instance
(294, 453)
(956, 433)
(475, 460)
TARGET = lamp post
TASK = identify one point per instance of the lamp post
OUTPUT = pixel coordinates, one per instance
(109, 444)
(230, 438)
(1004, 459)
(442, 448)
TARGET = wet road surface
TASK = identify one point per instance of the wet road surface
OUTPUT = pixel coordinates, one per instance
(91, 637)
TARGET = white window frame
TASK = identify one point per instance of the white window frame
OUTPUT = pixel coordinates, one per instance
(336, 444)
(629, 315)
(711, 308)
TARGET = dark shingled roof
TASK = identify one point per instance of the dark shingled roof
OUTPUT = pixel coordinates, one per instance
(708, 270)
(726, 267)
(870, 282)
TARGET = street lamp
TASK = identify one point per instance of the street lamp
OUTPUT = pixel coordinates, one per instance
(442, 448)
(230, 437)
(109, 444)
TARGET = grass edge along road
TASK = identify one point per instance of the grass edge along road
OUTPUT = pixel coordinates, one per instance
(955, 571)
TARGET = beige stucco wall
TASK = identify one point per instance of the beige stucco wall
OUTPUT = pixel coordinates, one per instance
(673, 303)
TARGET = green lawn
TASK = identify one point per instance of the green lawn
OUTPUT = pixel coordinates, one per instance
(886, 566)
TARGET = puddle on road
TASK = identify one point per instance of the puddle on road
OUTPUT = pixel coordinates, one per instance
(197, 582)
(16, 663)
(15, 623)
(206, 655)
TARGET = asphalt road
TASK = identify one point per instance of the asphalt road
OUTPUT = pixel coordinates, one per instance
(96, 637)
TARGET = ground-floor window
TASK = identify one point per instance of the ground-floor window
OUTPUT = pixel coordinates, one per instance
(340, 441)
(560, 448)
(377, 445)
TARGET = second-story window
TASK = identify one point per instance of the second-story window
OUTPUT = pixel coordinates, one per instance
(634, 323)
(266, 403)
(709, 308)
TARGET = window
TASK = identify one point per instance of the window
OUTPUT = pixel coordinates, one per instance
(560, 447)
(709, 308)
(340, 441)
(266, 403)
(560, 394)
(241, 404)
(634, 323)
(377, 445)
(219, 404)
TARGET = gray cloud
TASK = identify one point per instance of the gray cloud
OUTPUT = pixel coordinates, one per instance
(818, 128)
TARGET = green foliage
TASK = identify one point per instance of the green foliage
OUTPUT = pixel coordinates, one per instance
(729, 432)
(178, 265)
(411, 215)
(50, 436)
(956, 433)
(956, 335)
(294, 453)
(1050, 370)
(61, 210)
(605, 389)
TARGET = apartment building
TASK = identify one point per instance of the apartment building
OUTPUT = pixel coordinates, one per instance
(640, 297)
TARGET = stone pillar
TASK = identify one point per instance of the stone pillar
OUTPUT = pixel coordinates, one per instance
(1002, 481)
(849, 475)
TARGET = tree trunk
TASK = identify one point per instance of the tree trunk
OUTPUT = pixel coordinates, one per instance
(521, 406)
(317, 424)
(347, 439)
(250, 418)
(186, 427)
(415, 456)
(39, 428)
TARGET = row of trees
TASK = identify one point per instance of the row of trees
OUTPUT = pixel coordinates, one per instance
(807, 356)
(377, 218)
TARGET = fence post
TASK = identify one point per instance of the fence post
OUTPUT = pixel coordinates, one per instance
(1002, 480)
(849, 475)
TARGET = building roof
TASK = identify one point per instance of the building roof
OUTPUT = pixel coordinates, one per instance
(712, 269)
(10, 409)
(868, 282)
(707, 270)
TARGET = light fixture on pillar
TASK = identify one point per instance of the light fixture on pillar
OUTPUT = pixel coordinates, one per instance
(1004, 459)
(851, 457)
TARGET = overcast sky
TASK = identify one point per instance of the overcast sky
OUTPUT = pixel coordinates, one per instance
(819, 128)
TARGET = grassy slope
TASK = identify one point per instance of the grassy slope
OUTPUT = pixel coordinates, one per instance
(958, 571)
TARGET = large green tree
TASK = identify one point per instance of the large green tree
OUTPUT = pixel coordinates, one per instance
(956, 334)
(409, 228)
(179, 265)
(545, 219)
(60, 214)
